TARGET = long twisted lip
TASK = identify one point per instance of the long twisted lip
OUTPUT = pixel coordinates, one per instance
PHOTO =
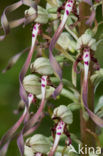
(56, 67)
(25, 67)
(7, 25)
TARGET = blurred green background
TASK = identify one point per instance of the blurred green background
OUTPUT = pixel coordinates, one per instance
(18, 39)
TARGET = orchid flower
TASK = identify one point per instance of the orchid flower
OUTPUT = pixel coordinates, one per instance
(39, 112)
(87, 56)
(59, 132)
(60, 128)
(35, 118)
(86, 60)
(54, 64)
(35, 33)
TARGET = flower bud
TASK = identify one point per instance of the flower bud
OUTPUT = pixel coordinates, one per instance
(32, 85)
(86, 40)
(39, 143)
(64, 113)
(69, 42)
(42, 66)
(28, 151)
(42, 14)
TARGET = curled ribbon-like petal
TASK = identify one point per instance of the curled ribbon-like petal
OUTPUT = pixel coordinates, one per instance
(6, 25)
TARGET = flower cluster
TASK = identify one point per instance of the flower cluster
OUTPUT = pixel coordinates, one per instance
(46, 82)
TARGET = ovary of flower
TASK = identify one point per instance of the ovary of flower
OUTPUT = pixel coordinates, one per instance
(86, 60)
(43, 86)
(68, 9)
(35, 33)
(59, 132)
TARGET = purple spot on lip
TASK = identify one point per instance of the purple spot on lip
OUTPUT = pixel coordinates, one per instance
(67, 12)
(43, 79)
(43, 85)
(69, 5)
(30, 95)
(86, 55)
(58, 133)
(86, 63)
(33, 35)
(34, 28)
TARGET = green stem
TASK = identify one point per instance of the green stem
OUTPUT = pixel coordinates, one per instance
(86, 137)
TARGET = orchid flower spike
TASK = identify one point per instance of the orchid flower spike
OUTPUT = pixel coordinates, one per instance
(23, 94)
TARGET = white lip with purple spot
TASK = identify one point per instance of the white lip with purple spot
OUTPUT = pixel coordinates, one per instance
(86, 60)
(59, 132)
(68, 9)
(60, 128)
(35, 33)
(43, 85)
